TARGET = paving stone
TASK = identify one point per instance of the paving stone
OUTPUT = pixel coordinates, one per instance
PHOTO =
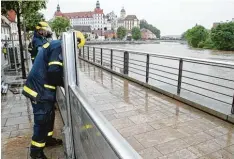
(5, 135)
(172, 146)
(11, 115)
(26, 126)
(5, 111)
(205, 148)
(3, 121)
(157, 137)
(181, 154)
(122, 123)
(134, 143)
(220, 154)
(135, 129)
(150, 153)
(10, 128)
(17, 120)
(18, 109)
(23, 132)
(230, 149)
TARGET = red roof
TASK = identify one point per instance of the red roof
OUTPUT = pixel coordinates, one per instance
(72, 15)
(58, 13)
(79, 15)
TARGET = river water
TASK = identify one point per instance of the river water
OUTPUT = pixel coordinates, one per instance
(157, 78)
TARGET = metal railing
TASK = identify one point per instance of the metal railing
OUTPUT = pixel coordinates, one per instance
(87, 133)
(197, 79)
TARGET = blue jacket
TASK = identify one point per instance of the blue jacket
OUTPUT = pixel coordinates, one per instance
(37, 42)
(46, 73)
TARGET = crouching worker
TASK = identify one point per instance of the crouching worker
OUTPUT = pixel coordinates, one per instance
(45, 75)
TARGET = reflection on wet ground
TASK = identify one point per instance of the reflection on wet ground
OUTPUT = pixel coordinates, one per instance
(155, 125)
(17, 126)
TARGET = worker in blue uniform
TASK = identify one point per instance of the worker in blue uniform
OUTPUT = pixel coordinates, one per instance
(40, 87)
(41, 34)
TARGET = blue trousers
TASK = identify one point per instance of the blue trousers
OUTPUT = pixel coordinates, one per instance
(43, 124)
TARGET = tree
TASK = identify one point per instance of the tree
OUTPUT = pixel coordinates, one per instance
(22, 8)
(32, 20)
(144, 24)
(121, 32)
(136, 33)
(86, 35)
(196, 35)
(223, 36)
(59, 25)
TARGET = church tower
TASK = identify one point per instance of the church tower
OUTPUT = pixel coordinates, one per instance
(122, 13)
(98, 5)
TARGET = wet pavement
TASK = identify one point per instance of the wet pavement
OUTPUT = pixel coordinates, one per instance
(156, 126)
(17, 123)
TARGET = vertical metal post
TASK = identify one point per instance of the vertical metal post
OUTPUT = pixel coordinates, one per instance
(147, 68)
(111, 59)
(26, 47)
(94, 54)
(126, 62)
(83, 50)
(13, 51)
(69, 51)
(180, 76)
(101, 56)
(232, 110)
(79, 52)
(88, 52)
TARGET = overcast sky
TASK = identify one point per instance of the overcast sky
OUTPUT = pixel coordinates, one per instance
(172, 17)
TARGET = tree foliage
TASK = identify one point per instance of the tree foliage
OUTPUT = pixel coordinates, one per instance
(196, 35)
(144, 24)
(32, 20)
(136, 33)
(22, 8)
(121, 32)
(59, 25)
(222, 36)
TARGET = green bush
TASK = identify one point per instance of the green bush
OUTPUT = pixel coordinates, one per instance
(223, 36)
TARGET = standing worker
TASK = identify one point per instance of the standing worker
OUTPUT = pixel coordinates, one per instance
(40, 36)
(40, 87)
(4, 50)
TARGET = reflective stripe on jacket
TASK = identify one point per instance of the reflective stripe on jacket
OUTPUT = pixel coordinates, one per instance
(38, 86)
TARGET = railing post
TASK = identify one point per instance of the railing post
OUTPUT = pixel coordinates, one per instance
(83, 49)
(232, 110)
(79, 52)
(147, 68)
(180, 76)
(88, 52)
(111, 59)
(101, 56)
(83, 52)
(94, 54)
(126, 62)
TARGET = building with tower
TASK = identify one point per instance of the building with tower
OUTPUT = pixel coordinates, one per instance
(128, 21)
(95, 19)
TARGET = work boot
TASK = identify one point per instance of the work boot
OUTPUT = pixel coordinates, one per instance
(37, 155)
(53, 142)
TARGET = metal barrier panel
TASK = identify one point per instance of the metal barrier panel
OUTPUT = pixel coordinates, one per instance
(61, 100)
(89, 141)
(87, 133)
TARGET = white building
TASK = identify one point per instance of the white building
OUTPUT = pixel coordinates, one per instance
(128, 21)
(233, 19)
(112, 19)
(5, 29)
(95, 19)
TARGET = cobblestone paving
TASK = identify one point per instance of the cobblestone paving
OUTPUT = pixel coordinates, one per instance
(17, 123)
(156, 126)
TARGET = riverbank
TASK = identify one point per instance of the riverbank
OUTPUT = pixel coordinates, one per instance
(133, 42)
